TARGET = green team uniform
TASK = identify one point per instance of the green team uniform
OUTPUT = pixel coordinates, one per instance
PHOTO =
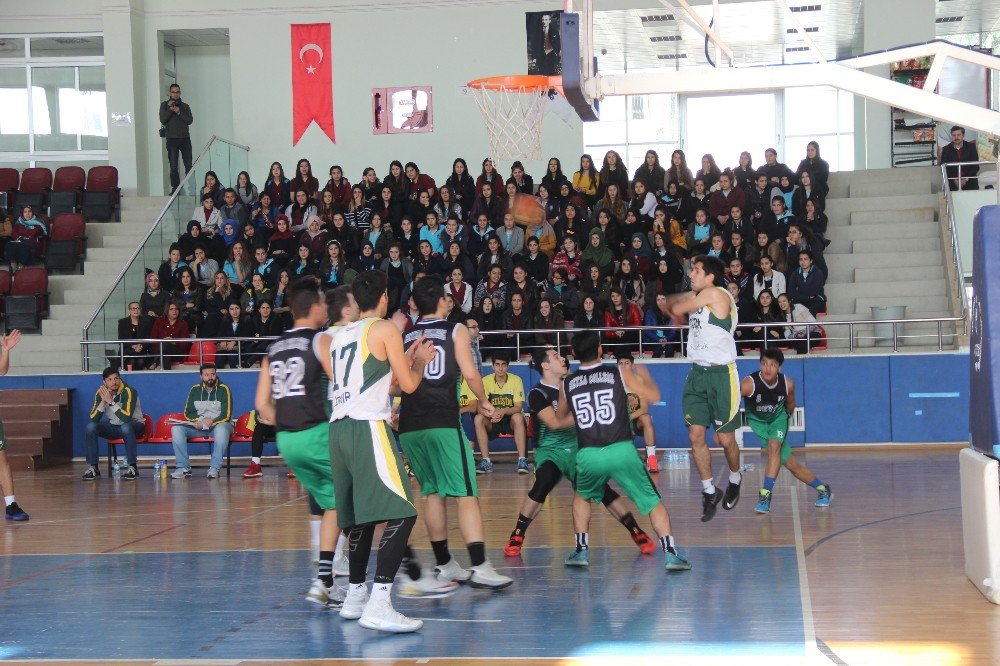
(766, 412)
(558, 447)
(712, 389)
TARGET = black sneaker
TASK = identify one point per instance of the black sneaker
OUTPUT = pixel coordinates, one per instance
(92, 473)
(709, 504)
(14, 512)
(130, 474)
(732, 497)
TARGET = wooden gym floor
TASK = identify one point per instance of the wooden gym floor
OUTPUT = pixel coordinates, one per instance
(193, 570)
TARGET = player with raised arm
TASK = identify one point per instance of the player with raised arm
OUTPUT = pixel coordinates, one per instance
(638, 414)
(361, 359)
(769, 399)
(290, 395)
(14, 512)
(595, 397)
(555, 456)
(431, 433)
(711, 391)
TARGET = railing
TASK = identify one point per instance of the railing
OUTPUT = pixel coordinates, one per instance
(520, 342)
(223, 157)
(956, 254)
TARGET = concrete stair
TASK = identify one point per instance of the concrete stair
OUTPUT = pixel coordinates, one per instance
(73, 298)
(38, 424)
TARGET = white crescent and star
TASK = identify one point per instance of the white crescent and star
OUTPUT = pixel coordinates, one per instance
(310, 69)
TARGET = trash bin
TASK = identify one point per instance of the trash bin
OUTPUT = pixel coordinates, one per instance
(883, 332)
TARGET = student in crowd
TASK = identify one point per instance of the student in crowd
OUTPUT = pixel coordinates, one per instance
(651, 173)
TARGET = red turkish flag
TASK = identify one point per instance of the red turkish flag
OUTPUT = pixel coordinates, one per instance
(312, 79)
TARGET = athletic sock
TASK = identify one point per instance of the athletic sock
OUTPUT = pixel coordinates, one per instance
(441, 554)
(380, 591)
(410, 564)
(650, 451)
(522, 525)
(314, 535)
(708, 486)
(582, 541)
(338, 552)
(325, 571)
(667, 544)
(816, 483)
(254, 459)
(8, 499)
(477, 552)
(769, 483)
(628, 520)
(735, 477)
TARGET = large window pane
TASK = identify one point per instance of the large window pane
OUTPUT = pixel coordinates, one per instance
(653, 119)
(726, 125)
(811, 110)
(611, 128)
(51, 88)
(11, 47)
(14, 110)
(94, 109)
(67, 46)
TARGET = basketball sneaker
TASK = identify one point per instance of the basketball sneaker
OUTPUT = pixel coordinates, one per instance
(130, 474)
(578, 558)
(763, 502)
(381, 616)
(674, 562)
(353, 605)
(453, 571)
(652, 464)
(184, 473)
(92, 473)
(425, 587)
(522, 466)
(646, 545)
(485, 466)
(319, 593)
(16, 513)
(513, 547)
(823, 495)
(732, 496)
(253, 471)
(485, 576)
(341, 566)
(709, 504)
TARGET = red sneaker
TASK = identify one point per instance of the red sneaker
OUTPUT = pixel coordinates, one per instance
(253, 471)
(291, 474)
(646, 545)
(513, 547)
(652, 465)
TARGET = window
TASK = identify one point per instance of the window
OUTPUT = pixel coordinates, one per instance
(824, 115)
(633, 124)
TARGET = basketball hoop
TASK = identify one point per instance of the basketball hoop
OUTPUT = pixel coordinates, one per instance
(513, 108)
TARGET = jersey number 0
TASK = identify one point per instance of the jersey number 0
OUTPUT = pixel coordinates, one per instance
(596, 407)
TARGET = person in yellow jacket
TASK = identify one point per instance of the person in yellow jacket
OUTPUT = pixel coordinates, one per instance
(587, 181)
(115, 414)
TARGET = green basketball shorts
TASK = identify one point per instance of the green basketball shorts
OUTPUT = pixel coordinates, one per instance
(563, 458)
(618, 461)
(712, 397)
(307, 453)
(441, 459)
(772, 430)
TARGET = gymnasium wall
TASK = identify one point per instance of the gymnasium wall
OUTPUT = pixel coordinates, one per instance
(899, 398)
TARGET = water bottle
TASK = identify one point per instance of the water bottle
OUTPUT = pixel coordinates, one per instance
(156, 469)
(746, 467)
(163, 469)
(116, 473)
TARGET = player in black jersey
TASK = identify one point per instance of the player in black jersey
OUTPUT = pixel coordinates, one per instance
(431, 433)
(291, 394)
(596, 397)
(555, 456)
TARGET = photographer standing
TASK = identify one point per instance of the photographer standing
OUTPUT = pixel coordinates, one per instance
(175, 117)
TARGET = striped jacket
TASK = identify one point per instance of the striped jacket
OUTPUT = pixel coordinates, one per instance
(125, 407)
(215, 403)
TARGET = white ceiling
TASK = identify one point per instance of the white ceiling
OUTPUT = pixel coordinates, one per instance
(204, 37)
(757, 31)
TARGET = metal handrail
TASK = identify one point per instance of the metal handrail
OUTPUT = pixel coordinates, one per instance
(518, 345)
(152, 229)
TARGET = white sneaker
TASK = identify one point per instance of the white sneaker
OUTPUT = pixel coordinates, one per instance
(485, 576)
(183, 473)
(426, 587)
(354, 603)
(381, 616)
(341, 567)
(318, 592)
(452, 571)
(213, 473)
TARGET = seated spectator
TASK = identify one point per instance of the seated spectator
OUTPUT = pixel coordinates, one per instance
(614, 236)
(737, 224)
(315, 237)
(203, 266)
(775, 249)
(153, 300)
(135, 326)
(743, 314)
(280, 306)
(709, 172)
(768, 278)
(333, 266)
(786, 190)
(551, 204)
(678, 172)
(189, 239)
(598, 254)
(304, 180)
(366, 260)
(550, 324)
(535, 263)
(766, 312)
(489, 319)
(115, 414)
(490, 205)
(213, 188)
(621, 313)
(189, 293)
(723, 200)
(432, 232)
(815, 220)
(758, 199)
(246, 191)
(462, 185)
(300, 210)
(800, 338)
(277, 186)
(265, 267)
(698, 237)
(426, 261)
(805, 192)
(774, 169)
(691, 203)
(663, 343)
(478, 235)
(492, 287)
(562, 294)
(262, 325)
(494, 256)
(587, 181)
(643, 202)
(630, 283)
(248, 234)
(400, 272)
(651, 173)
(554, 177)
(370, 184)
(667, 277)
(740, 278)
(718, 248)
(230, 234)
(599, 287)
(208, 216)
(459, 289)
(510, 235)
(255, 295)
(380, 236)
(170, 326)
(640, 254)
(235, 325)
(589, 314)
(739, 249)
(571, 225)
(797, 240)
(454, 232)
(543, 232)
(569, 259)
(517, 317)
(209, 408)
(776, 223)
(805, 285)
(339, 187)
(238, 266)
(447, 208)
(664, 249)
(283, 245)
(455, 257)
(744, 173)
(264, 214)
(505, 392)
(25, 244)
(217, 300)
(612, 201)
(419, 182)
(520, 284)
(348, 237)
(233, 209)
(819, 168)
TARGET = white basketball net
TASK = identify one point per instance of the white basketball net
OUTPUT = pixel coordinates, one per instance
(513, 117)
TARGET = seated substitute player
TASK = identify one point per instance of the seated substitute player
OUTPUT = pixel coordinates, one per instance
(769, 399)
(506, 393)
(639, 418)
(595, 398)
(555, 457)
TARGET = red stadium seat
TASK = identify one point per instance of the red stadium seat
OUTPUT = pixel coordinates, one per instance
(9, 179)
(67, 242)
(66, 190)
(161, 435)
(6, 282)
(102, 197)
(200, 352)
(242, 431)
(35, 185)
(33, 281)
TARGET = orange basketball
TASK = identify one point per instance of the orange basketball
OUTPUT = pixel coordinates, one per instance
(527, 210)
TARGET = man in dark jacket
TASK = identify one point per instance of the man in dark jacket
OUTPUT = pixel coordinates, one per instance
(176, 117)
(960, 150)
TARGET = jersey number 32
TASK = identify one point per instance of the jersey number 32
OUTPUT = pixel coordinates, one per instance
(286, 378)
(596, 407)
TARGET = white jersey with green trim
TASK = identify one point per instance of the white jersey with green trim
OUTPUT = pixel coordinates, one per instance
(710, 339)
(360, 385)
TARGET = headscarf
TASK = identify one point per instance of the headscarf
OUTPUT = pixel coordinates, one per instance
(363, 263)
(229, 232)
(645, 250)
(599, 255)
(33, 223)
(191, 225)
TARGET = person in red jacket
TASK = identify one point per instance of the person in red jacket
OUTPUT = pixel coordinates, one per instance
(171, 327)
(621, 313)
(340, 187)
(723, 199)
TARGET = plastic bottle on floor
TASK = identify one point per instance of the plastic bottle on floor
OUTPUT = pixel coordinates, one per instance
(156, 469)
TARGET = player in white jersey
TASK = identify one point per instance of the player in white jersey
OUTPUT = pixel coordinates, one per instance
(361, 359)
(712, 389)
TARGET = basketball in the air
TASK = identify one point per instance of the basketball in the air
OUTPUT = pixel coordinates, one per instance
(527, 210)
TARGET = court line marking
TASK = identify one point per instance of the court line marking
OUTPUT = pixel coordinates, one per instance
(949, 394)
(278, 506)
(80, 560)
(812, 548)
(808, 626)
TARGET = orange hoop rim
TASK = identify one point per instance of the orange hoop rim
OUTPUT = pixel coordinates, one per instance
(512, 82)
